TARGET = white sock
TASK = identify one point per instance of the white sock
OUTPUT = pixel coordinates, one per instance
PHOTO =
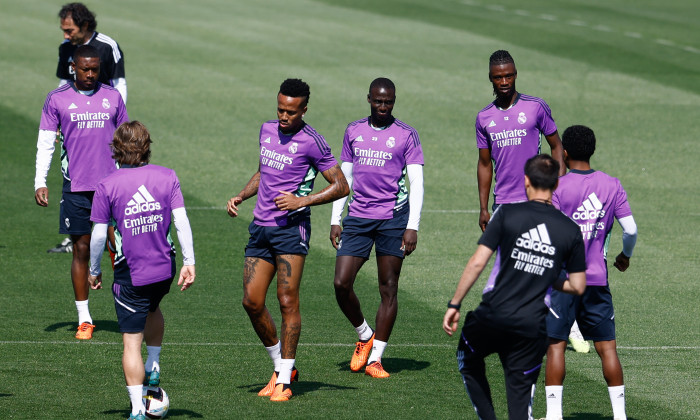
(554, 401)
(377, 351)
(364, 332)
(136, 397)
(275, 353)
(153, 360)
(83, 311)
(285, 375)
(617, 399)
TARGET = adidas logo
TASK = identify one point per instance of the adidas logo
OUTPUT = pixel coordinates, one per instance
(267, 140)
(141, 201)
(492, 124)
(359, 139)
(73, 106)
(537, 239)
(591, 208)
(551, 396)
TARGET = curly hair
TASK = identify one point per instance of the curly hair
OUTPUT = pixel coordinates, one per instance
(80, 15)
(579, 142)
(295, 88)
(131, 144)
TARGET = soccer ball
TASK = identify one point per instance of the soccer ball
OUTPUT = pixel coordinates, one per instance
(156, 401)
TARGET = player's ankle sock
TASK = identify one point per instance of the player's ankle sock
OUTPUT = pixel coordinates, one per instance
(554, 401)
(136, 397)
(83, 311)
(275, 353)
(285, 373)
(153, 360)
(617, 399)
(377, 351)
(364, 331)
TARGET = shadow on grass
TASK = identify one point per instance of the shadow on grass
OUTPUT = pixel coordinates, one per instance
(171, 413)
(6, 395)
(100, 325)
(302, 387)
(392, 365)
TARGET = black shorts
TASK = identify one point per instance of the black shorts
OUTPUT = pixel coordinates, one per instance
(593, 311)
(133, 303)
(359, 234)
(75, 213)
(266, 242)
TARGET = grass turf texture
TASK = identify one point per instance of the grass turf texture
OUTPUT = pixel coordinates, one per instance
(203, 76)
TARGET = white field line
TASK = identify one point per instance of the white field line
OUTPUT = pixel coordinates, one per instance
(222, 344)
(574, 22)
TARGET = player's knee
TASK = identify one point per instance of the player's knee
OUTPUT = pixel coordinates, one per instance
(289, 304)
(253, 306)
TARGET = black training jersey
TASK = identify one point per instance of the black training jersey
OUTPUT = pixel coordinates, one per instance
(535, 241)
(111, 59)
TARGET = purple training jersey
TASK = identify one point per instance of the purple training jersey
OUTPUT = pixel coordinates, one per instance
(87, 123)
(288, 163)
(140, 201)
(379, 158)
(513, 136)
(593, 199)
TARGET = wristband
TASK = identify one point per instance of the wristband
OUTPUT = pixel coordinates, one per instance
(453, 306)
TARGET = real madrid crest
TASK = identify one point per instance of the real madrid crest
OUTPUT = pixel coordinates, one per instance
(522, 119)
(105, 103)
(391, 142)
(293, 147)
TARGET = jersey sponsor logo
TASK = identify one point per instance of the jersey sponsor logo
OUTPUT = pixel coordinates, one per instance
(522, 119)
(72, 106)
(140, 202)
(89, 116)
(591, 208)
(391, 142)
(274, 159)
(507, 138)
(536, 240)
(105, 103)
(370, 157)
(492, 124)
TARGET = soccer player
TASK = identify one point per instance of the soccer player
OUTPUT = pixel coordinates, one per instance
(78, 25)
(87, 112)
(535, 240)
(592, 199)
(291, 155)
(143, 199)
(508, 133)
(379, 152)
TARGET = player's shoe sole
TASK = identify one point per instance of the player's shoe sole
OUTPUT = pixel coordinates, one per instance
(138, 416)
(84, 331)
(270, 387)
(281, 393)
(360, 355)
(376, 370)
(152, 378)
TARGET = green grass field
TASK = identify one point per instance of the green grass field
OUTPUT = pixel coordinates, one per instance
(203, 76)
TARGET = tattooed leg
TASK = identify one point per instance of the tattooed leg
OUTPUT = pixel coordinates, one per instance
(257, 276)
(289, 271)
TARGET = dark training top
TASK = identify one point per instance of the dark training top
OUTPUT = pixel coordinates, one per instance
(535, 241)
(111, 59)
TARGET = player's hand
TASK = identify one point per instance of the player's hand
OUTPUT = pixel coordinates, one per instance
(622, 262)
(187, 276)
(484, 218)
(287, 201)
(41, 196)
(335, 235)
(232, 206)
(409, 241)
(450, 321)
(95, 281)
